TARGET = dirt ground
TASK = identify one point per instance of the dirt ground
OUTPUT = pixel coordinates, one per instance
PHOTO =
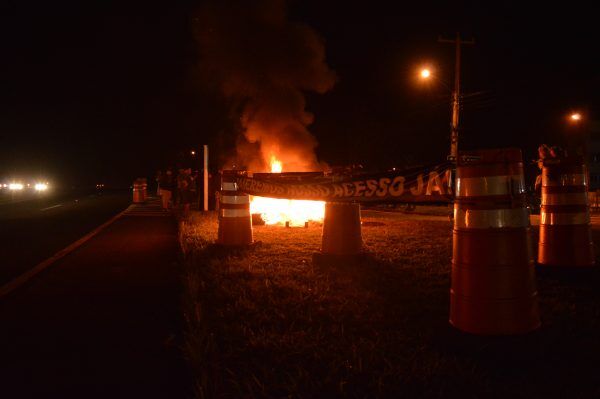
(268, 322)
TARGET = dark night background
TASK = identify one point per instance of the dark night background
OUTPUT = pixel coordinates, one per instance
(106, 91)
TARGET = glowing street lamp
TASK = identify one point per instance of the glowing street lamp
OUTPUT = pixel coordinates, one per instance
(578, 133)
(428, 74)
(575, 117)
(15, 186)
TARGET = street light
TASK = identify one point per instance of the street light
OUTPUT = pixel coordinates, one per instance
(579, 135)
(575, 117)
(427, 74)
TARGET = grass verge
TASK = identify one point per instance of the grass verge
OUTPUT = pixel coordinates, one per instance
(267, 322)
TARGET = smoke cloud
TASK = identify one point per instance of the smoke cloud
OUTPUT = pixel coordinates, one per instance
(263, 63)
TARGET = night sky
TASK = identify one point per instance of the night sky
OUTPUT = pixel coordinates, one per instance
(109, 90)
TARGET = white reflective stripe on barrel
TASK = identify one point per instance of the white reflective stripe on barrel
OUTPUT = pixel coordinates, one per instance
(235, 199)
(564, 199)
(490, 218)
(489, 185)
(228, 186)
(567, 179)
(235, 213)
(553, 218)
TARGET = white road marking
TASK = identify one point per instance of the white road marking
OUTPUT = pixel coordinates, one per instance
(23, 278)
(51, 207)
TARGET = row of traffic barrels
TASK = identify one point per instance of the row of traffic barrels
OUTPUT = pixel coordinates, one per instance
(493, 287)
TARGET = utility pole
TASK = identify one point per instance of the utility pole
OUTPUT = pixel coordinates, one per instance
(455, 94)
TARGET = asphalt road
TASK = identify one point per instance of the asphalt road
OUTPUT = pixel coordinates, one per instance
(31, 231)
(102, 322)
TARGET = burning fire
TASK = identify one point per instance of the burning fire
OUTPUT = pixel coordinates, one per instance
(276, 166)
(279, 211)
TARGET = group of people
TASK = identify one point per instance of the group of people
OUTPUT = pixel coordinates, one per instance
(547, 152)
(177, 189)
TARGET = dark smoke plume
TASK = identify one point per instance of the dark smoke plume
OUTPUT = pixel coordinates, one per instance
(263, 62)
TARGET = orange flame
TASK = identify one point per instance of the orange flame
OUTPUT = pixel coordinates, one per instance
(278, 211)
(276, 166)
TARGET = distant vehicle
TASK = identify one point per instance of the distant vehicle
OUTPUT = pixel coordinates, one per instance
(100, 189)
(16, 186)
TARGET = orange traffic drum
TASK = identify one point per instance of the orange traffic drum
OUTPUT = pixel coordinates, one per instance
(565, 231)
(139, 190)
(235, 223)
(341, 229)
(493, 290)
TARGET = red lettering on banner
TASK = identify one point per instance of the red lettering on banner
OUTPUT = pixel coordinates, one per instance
(434, 184)
(324, 191)
(318, 191)
(338, 191)
(348, 189)
(419, 188)
(359, 188)
(305, 191)
(397, 186)
(371, 187)
(447, 181)
(383, 186)
(265, 187)
(251, 185)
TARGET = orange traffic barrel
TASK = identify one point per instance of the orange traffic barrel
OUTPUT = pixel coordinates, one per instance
(235, 222)
(565, 230)
(144, 184)
(139, 191)
(493, 290)
(341, 229)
